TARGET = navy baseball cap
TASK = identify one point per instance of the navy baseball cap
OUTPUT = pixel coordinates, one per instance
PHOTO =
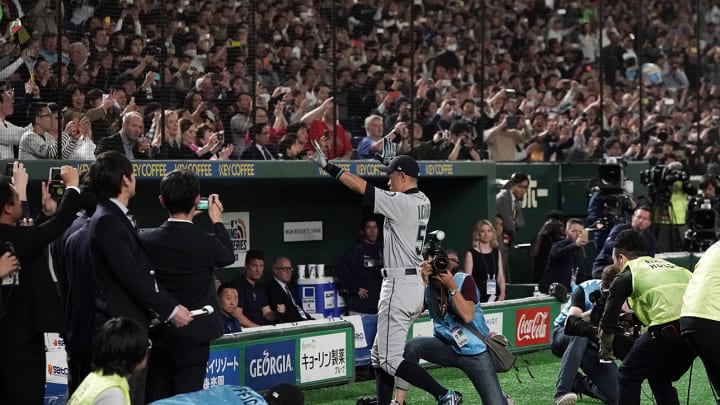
(403, 163)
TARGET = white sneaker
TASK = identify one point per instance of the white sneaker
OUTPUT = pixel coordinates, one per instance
(567, 399)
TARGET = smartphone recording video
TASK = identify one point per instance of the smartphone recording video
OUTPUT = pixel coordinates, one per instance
(203, 204)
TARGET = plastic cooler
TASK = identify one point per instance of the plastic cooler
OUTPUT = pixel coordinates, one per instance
(318, 296)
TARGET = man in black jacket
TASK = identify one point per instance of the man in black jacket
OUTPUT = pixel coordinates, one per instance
(129, 141)
(186, 257)
(282, 297)
(30, 302)
(565, 263)
(126, 283)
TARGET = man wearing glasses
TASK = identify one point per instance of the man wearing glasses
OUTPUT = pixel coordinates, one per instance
(283, 300)
(39, 142)
(9, 133)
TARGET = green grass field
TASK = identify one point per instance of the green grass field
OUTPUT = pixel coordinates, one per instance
(529, 391)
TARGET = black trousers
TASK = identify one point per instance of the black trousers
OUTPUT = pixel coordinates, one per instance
(175, 368)
(79, 364)
(660, 356)
(703, 336)
(22, 372)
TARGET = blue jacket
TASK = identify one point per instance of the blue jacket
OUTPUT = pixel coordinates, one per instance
(604, 257)
(443, 325)
(359, 268)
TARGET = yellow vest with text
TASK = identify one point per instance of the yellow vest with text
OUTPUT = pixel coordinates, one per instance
(95, 384)
(701, 296)
(675, 213)
(658, 288)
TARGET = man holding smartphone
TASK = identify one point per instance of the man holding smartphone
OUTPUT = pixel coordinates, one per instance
(567, 258)
(179, 355)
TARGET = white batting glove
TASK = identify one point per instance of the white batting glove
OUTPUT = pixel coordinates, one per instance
(388, 153)
(319, 158)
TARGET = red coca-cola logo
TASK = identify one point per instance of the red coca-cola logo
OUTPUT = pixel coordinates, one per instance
(532, 326)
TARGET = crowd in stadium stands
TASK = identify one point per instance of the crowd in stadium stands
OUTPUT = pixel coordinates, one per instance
(408, 70)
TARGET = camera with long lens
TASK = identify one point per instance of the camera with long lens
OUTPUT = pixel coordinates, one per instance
(660, 178)
(627, 331)
(703, 230)
(433, 247)
(610, 194)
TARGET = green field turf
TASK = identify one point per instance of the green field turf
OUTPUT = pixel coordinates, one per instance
(530, 391)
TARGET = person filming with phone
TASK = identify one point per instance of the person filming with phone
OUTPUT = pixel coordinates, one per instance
(567, 258)
(504, 139)
(179, 357)
(29, 301)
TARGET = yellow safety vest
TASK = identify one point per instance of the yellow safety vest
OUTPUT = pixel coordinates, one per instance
(658, 287)
(95, 384)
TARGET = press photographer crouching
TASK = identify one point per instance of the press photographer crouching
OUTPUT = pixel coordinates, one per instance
(668, 189)
(452, 299)
(574, 340)
(703, 213)
(654, 290)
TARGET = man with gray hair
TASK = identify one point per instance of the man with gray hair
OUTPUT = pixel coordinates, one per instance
(373, 133)
(129, 141)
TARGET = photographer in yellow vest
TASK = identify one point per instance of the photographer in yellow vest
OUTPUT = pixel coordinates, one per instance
(654, 290)
(700, 322)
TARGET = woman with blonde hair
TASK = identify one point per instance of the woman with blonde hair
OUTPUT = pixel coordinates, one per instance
(484, 262)
(169, 148)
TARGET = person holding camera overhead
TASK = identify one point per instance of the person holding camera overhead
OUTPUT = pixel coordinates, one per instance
(453, 302)
(506, 138)
(29, 300)
(180, 355)
(407, 213)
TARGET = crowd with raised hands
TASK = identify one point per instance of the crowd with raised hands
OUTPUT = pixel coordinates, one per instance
(557, 81)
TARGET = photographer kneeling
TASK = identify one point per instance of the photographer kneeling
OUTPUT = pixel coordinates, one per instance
(574, 341)
(452, 299)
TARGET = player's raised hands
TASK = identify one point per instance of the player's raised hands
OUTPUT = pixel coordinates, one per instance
(388, 153)
(319, 158)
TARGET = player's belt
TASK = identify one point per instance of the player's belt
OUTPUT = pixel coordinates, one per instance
(389, 273)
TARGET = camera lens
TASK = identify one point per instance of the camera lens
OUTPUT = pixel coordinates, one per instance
(440, 263)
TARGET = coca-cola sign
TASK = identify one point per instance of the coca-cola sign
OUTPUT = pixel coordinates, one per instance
(532, 326)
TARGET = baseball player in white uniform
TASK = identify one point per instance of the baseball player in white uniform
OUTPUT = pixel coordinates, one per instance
(407, 212)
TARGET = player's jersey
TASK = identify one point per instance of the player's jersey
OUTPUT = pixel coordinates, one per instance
(406, 220)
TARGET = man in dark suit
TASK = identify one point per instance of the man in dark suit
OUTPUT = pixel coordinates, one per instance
(125, 273)
(567, 258)
(283, 300)
(30, 302)
(129, 141)
(508, 203)
(77, 290)
(260, 147)
(186, 257)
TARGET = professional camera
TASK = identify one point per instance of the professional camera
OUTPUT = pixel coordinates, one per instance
(627, 331)
(612, 201)
(703, 230)
(433, 247)
(660, 178)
